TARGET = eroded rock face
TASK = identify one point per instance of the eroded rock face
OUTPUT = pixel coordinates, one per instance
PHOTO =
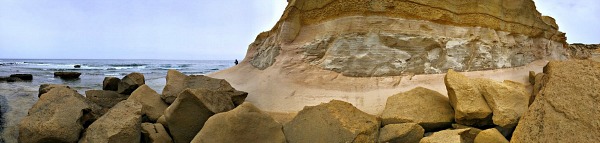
(187, 115)
(152, 105)
(246, 123)
(58, 116)
(566, 109)
(428, 108)
(470, 107)
(121, 124)
(177, 82)
(336, 121)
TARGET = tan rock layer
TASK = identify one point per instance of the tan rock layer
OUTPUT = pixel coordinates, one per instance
(515, 16)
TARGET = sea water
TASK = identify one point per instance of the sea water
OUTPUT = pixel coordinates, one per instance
(17, 97)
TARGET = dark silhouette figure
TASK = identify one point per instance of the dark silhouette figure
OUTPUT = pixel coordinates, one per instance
(236, 62)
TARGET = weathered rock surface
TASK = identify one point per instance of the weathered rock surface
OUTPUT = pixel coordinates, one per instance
(490, 136)
(111, 83)
(44, 88)
(428, 108)
(27, 77)
(121, 124)
(58, 116)
(583, 51)
(67, 75)
(246, 123)
(470, 107)
(106, 99)
(188, 113)
(131, 82)
(177, 82)
(566, 109)
(401, 133)
(537, 86)
(450, 136)
(152, 105)
(155, 133)
(333, 122)
(508, 103)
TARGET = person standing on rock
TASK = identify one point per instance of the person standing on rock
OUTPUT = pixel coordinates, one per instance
(236, 62)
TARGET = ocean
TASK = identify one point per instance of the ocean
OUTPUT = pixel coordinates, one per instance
(17, 97)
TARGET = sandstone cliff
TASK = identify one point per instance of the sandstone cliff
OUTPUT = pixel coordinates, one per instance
(360, 50)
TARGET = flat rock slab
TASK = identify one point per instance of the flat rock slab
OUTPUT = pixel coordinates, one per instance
(428, 108)
(567, 109)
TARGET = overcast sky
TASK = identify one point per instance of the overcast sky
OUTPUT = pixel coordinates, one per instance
(183, 29)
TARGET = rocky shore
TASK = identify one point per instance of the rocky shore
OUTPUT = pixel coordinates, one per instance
(561, 107)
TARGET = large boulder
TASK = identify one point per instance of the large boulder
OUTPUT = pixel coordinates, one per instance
(470, 107)
(188, 113)
(153, 105)
(111, 83)
(58, 116)
(177, 82)
(490, 136)
(333, 122)
(450, 136)
(155, 133)
(428, 108)
(246, 123)
(106, 99)
(121, 124)
(567, 108)
(27, 77)
(507, 100)
(401, 133)
(131, 82)
(44, 88)
(67, 75)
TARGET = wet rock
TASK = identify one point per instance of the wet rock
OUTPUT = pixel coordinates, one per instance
(177, 82)
(401, 133)
(153, 105)
(450, 136)
(566, 109)
(111, 83)
(246, 123)
(507, 100)
(25, 77)
(44, 88)
(77, 66)
(58, 116)
(470, 107)
(121, 124)
(155, 133)
(490, 136)
(67, 75)
(106, 99)
(428, 108)
(188, 113)
(131, 82)
(333, 122)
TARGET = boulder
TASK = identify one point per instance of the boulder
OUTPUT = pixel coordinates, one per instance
(566, 109)
(26, 77)
(44, 88)
(450, 136)
(121, 124)
(507, 100)
(67, 75)
(111, 83)
(470, 107)
(131, 82)
(77, 66)
(177, 82)
(333, 122)
(401, 133)
(428, 108)
(106, 99)
(153, 105)
(490, 136)
(155, 133)
(10, 79)
(58, 116)
(188, 113)
(246, 123)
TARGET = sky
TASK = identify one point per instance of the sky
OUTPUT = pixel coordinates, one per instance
(183, 29)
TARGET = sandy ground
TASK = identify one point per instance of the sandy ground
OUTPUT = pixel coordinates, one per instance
(273, 92)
